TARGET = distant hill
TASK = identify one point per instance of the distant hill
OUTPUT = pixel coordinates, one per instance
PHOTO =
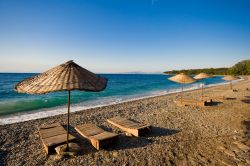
(240, 68)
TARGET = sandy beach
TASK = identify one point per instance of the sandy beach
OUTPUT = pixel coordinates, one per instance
(211, 135)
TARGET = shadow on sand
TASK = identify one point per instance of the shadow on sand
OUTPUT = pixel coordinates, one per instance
(247, 101)
(128, 142)
(159, 131)
(2, 157)
(215, 103)
(3, 153)
(247, 125)
(123, 142)
(231, 98)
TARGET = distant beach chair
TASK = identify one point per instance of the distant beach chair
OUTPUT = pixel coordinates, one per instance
(187, 102)
(130, 126)
(219, 98)
(52, 136)
(221, 90)
(98, 137)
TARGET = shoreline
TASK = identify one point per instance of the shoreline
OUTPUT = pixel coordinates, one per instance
(61, 110)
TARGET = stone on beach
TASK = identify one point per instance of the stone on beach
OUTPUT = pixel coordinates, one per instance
(74, 149)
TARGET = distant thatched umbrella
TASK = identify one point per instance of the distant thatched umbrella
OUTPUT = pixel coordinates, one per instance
(182, 79)
(230, 78)
(65, 77)
(201, 77)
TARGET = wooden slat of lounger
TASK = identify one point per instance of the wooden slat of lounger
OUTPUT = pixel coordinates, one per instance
(133, 128)
(89, 128)
(89, 131)
(58, 139)
(44, 134)
(118, 124)
(136, 126)
(52, 136)
(127, 123)
(97, 136)
(103, 136)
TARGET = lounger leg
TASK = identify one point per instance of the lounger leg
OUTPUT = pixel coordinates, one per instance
(96, 144)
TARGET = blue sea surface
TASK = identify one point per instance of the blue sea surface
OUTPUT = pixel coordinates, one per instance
(120, 87)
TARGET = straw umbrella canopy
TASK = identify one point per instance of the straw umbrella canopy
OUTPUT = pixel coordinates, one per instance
(182, 79)
(230, 78)
(201, 77)
(65, 77)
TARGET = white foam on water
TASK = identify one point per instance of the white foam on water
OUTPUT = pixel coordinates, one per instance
(43, 113)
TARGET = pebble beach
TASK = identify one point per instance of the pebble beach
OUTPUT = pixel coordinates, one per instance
(187, 135)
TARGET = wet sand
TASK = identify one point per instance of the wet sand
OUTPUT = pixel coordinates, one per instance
(211, 135)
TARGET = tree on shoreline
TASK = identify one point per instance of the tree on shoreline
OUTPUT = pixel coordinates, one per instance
(240, 68)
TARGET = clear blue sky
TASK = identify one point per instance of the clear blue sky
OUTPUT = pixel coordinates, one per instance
(112, 36)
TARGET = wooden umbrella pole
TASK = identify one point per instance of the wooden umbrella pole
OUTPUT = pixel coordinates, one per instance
(231, 85)
(67, 148)
(181, 92)
(202, 89)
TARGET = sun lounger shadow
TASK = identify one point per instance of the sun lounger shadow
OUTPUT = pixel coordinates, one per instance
(160, 131)
(3, 154)
(193, 102)
(215, 103)
(131, 142)
(247, 125)
(247, 101)
(126, 142)
(230, 98)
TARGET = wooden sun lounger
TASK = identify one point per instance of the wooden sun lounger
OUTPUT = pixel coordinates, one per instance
(220, 98)
(187, 102)
(130, 126)
(97, 136)
(53, 136)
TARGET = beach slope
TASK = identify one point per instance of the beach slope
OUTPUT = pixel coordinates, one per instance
(211, 135)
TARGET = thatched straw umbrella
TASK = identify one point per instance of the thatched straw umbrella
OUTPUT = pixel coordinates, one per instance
(182, 79)
(201, 77)
(230, 78)
(65, 77)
